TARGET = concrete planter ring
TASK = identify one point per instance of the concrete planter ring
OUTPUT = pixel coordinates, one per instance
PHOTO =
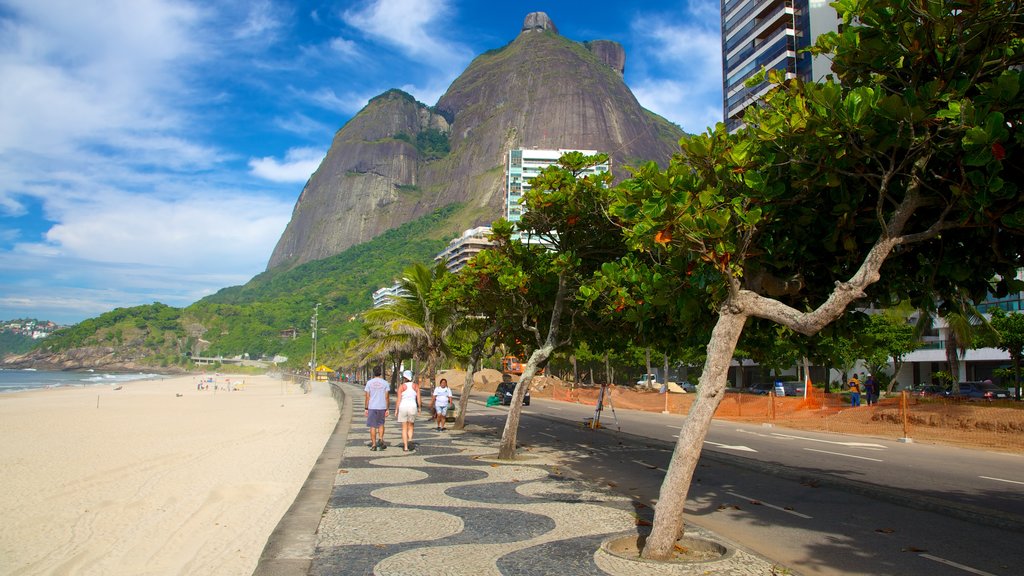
(620, 555)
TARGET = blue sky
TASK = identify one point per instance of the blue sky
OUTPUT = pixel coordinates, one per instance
(153, 150)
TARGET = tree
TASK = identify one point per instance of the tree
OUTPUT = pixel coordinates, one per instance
(965, 328)
(478, 299)
(898, 179)
(889, 336)
(1011, 340)
(415, 323)
(566, 214)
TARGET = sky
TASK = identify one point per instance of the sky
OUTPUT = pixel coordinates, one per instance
(153, 150)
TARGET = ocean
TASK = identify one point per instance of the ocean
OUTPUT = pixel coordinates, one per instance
(16, 380)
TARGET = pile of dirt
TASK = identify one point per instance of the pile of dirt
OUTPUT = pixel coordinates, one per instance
(486, 381)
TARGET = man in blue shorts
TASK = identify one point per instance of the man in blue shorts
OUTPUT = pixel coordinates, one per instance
(378, 399)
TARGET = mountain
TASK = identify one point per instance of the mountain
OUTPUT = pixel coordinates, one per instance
(399, 159)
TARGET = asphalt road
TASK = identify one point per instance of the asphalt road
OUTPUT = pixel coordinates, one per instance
(815, 503)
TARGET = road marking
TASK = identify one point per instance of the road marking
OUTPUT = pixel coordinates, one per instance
(772, 506)
(645, 464)
(847, 455)
(1001, 480)
(676, 427)
(850, 444)
(548, 435)
(956, 565)
(728, 447)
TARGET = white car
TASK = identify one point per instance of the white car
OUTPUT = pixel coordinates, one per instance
(648, 381)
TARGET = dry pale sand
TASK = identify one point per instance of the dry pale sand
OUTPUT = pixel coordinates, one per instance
(150, 482)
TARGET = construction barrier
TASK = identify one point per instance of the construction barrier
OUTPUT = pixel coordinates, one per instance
(995, 425)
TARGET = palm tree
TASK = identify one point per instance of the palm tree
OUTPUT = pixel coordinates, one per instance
(966, 328)
(414, 324)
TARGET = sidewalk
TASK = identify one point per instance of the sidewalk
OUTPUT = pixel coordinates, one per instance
(450, 507)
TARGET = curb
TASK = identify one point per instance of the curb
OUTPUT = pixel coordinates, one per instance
(292, 545)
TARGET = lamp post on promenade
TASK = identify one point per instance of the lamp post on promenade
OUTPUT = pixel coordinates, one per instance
(312, 363)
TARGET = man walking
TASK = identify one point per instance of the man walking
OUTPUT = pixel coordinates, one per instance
(378, 399)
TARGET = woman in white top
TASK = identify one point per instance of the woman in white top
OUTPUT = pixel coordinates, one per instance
(442, 396)
(408, 408)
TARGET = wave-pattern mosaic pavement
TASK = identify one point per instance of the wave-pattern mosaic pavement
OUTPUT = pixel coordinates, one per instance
(448, 508)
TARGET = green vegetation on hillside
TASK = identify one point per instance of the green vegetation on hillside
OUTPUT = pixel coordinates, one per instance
(11, 343)
(430, 143)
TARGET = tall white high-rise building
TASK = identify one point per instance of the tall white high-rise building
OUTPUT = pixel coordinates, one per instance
(769, 34)
(523, 165)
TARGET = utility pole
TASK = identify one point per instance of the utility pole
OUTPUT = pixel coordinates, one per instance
(312, 363)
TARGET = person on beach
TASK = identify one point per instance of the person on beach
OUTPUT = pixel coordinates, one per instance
(378, 400)
(442, 397)
(408, 408)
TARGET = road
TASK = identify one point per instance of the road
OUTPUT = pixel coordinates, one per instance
(815, 503)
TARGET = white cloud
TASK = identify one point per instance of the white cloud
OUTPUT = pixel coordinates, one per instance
(297, 166)
(343, 47)
(406, 24)
(677, 101)
(262, 23)
(76, 71)
(681, 75)
(115, 249)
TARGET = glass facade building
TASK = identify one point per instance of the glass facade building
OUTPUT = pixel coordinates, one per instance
(769, 34)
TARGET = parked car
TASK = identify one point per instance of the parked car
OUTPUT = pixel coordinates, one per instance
(929, 390)
(648, 381)
(687, 386)
(792, 388)
(505, 391)
(979, 391)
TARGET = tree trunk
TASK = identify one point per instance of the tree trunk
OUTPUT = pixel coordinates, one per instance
(467, 388)
(668, 514)
(507, 450)
(538, 359)
(647, 375)
(475, 358)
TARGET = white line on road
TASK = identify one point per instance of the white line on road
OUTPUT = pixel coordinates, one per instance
(642, 463)
(728, 447)
(955, 565)
(676, 427)
(850, 444)
(548, 435)
(847, 455)
(772, 506)
(1001, 480)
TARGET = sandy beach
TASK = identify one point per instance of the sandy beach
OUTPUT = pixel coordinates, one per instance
(157, 478)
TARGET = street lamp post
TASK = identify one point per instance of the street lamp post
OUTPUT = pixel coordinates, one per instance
(312, 363)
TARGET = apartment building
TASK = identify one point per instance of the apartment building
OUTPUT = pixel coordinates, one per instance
(463, 248)
(524, 164)
(769, 34)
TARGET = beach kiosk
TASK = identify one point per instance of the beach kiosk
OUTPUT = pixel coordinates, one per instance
(323, 373)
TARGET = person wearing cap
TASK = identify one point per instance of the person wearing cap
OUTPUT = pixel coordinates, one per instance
(408, 408)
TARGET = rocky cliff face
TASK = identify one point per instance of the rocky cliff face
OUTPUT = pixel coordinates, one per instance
(541, 90)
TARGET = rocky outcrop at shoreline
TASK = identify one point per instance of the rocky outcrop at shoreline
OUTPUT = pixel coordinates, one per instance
(105, 358)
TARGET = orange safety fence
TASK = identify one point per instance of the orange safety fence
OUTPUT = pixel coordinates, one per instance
(996, 425)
